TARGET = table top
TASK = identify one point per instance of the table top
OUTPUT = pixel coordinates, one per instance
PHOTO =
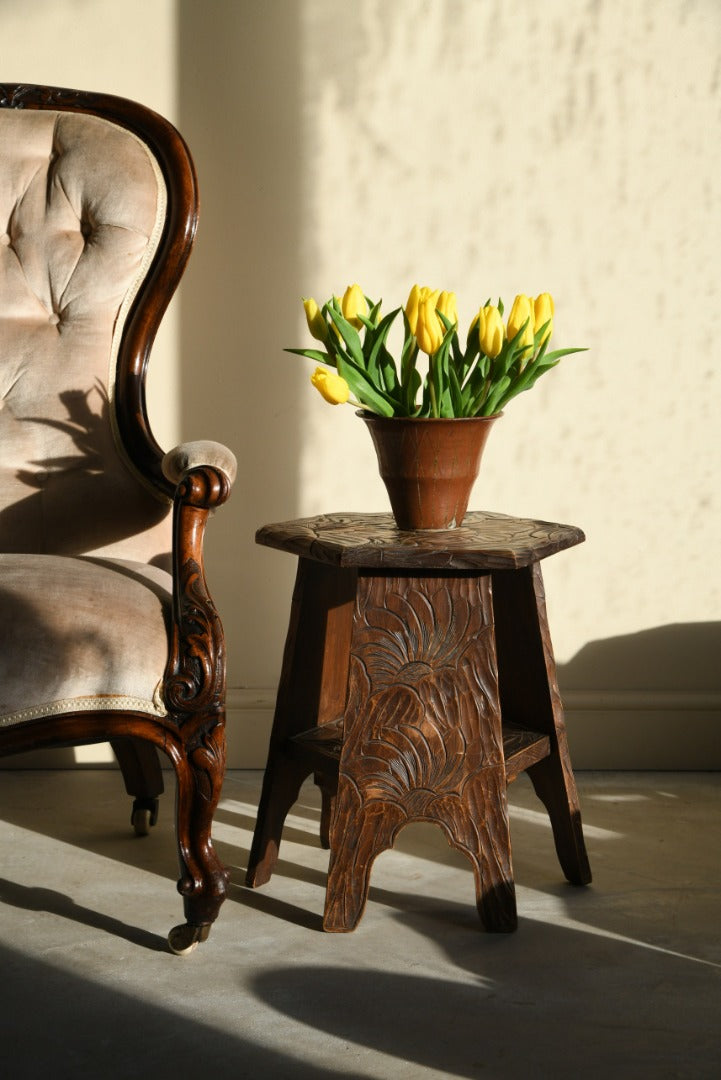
(485, 541)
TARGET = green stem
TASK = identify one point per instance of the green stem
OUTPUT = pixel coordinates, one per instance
(434, 402)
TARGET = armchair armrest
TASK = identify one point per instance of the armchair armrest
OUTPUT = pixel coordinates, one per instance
(203, 454)
(202, 474)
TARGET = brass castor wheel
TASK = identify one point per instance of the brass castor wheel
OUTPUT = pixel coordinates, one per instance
(184, 939)
(144, 816)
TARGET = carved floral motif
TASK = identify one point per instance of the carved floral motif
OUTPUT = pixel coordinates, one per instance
(423, 689)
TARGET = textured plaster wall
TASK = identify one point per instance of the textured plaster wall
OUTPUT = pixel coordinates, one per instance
(514, 146)
(487, 147)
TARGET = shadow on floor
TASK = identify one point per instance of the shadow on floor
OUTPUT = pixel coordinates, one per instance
(57, 1024)
(547, 1003)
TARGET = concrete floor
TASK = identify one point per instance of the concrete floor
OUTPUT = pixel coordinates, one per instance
(622, 979)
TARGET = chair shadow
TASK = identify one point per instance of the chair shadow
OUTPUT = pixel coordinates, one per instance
(35, 898)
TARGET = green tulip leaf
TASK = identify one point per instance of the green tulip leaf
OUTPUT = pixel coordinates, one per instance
(555, 356)
(363, 389)
(494, 400)
(314, 354)
(389, 375)
(456, 394)
(350, 336)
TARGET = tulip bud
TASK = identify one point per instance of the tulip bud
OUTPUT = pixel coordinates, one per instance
(543, 311)
(521, 312)
(447, 305)
(429, 329)
(415, 298)
(316, 322)
(353, 304)
(490, 331)
(332, 387)
(411, 308)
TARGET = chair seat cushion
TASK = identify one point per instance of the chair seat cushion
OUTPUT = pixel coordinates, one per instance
(79, 633)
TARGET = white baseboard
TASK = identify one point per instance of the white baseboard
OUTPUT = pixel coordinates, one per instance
(639, 729)
(619, 729)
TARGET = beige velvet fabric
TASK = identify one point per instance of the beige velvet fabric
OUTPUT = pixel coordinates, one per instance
(82, 206)
(191, 455)
(80, 633)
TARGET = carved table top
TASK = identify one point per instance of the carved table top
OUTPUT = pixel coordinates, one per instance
(485, 541)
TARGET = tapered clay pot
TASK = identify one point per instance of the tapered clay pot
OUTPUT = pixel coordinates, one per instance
(429, 466)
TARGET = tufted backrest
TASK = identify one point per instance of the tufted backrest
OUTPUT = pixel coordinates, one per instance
(82, 211)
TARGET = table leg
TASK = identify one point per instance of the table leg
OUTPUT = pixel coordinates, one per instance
(530, 698)
(311, 693)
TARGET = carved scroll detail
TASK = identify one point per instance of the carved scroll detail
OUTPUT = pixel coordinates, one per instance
(19, 96)
(197, 678)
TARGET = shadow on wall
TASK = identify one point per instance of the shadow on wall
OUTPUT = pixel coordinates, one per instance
(239, 110)
(679, 657)
(650, 700)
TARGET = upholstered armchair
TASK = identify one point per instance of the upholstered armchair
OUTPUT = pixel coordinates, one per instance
(107, 628)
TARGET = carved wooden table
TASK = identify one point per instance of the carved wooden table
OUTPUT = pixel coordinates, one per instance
(418, 681)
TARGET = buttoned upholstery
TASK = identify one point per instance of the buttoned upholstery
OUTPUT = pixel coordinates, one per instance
(81, 209)
(82, 206)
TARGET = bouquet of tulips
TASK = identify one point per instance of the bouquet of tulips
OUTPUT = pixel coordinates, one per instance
(479, 378)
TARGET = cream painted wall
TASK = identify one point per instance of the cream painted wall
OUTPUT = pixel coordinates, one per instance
(489, 147)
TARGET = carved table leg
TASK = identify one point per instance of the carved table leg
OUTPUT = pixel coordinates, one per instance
(531, 699)
(360, 833)
(281, 785)
(478, 827)
(327, 793)
(422, 739)
(311, 693)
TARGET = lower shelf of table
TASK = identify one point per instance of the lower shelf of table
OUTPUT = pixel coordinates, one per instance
(320, 748)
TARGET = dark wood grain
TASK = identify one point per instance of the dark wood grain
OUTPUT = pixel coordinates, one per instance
(312, 693)
(485, 541)
(530, 697)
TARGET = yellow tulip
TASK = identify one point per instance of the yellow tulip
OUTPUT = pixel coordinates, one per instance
(490, 331)
(522, 312)
(416, 296)
(429, 329)
(411, 308)
(543, 309)
(353, 304)
(447, 305)
(316, 322)
(332, 387)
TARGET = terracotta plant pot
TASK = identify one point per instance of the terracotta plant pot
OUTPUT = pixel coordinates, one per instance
(428, 466)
